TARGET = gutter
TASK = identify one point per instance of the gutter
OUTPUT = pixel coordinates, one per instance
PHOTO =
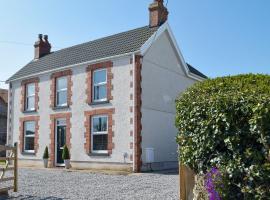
(71, 66)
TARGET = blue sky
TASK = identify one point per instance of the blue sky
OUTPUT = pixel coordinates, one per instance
(218, 37)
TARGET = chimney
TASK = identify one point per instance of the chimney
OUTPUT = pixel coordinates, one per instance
(42, 46)
(158, 13)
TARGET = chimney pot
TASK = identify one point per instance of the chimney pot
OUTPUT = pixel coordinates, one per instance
(40, 36)
(46, 37)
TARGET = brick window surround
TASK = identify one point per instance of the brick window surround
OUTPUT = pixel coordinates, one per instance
(24, 83)
(89, 80)
(53, 118)
(54, 76)
(21, 130)
(137, 114)
(88, 115)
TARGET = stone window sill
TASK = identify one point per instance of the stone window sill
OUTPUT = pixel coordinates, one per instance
(98, 103)
(60, 107)
(29, 111)
(99, 154)
(28, 154)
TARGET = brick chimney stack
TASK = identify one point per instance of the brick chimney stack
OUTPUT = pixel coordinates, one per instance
(42, 46)
(158, 13)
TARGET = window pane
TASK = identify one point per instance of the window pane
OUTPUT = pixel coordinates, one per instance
(100, 76)
(100, 142)
(100, 124)
(61, 122)
(61, 83)
(30, 103)
(29, 128)
(30, 89)
(100, 92)
(29, 143)
(62, 98)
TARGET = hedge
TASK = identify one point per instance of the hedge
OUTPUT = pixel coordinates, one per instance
(225, 123)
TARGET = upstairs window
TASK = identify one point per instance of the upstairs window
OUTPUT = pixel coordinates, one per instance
(99, 134)
(29, 136)
(61, 92)
(100, 85)
(30, 97)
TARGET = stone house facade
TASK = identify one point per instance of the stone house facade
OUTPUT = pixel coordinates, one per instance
(111, 100)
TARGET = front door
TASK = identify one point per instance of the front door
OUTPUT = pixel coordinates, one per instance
(60, 140)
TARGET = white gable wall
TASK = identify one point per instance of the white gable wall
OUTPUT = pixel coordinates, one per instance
(163, 78)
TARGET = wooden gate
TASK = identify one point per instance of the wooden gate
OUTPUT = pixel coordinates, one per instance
(9, 163)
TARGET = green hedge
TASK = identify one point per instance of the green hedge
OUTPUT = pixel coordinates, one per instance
(225, 123)
(65, 153)
(46, 153)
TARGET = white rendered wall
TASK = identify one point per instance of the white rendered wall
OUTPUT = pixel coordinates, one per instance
(163, 79)
(121, 102)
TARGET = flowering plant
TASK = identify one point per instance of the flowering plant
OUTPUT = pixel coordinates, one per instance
(213, 182)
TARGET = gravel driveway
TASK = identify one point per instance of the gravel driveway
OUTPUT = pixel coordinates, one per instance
(61, 184)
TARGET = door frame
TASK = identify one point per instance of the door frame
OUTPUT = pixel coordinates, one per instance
(55, 142)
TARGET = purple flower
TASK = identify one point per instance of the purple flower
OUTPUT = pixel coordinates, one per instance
(212, 178)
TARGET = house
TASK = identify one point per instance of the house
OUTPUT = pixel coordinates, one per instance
(3, 115)
(111, 100)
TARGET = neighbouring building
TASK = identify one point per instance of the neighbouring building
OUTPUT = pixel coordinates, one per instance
(3, 115)
(111, 100)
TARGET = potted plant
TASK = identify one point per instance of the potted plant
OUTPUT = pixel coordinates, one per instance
(45, 157)
(66, 157)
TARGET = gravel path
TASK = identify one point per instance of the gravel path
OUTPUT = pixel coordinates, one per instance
(61, 184)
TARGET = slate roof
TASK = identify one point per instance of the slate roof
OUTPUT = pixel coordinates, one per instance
(118, 44)
(4, 95)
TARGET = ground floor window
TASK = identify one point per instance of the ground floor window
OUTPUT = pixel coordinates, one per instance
(99, 136)
(29, 136)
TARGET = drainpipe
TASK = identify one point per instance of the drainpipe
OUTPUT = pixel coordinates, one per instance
(134, 87)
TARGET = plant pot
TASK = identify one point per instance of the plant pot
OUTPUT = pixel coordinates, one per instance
(45, 163)
(67, 164)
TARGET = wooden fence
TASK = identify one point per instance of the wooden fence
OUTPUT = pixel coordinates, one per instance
(187, 182)
(9, 163)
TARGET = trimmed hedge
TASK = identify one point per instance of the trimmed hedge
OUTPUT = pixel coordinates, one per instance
(65, 153)
(46, 153)
(225, 123)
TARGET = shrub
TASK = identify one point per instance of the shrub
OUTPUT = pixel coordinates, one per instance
(65, 153)
(46, 153)
(225, 123)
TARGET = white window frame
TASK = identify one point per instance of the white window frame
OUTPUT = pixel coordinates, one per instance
(99, 84)
(98, 133)
(28, 136)
(27, 96)
(61, 90)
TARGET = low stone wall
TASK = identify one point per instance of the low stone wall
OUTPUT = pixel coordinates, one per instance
(80, 165)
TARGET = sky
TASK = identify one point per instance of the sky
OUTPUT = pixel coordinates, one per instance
(218, 37)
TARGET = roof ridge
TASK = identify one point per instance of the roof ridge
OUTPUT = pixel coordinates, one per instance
(102, 38)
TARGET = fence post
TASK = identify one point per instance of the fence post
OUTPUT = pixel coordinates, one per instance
(15, 167)
(182, 182)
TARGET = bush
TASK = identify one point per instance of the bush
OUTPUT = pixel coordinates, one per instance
(65, 153)
(225, 123)
(46, 153)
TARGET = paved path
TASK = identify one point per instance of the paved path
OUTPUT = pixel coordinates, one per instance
(61, 184)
